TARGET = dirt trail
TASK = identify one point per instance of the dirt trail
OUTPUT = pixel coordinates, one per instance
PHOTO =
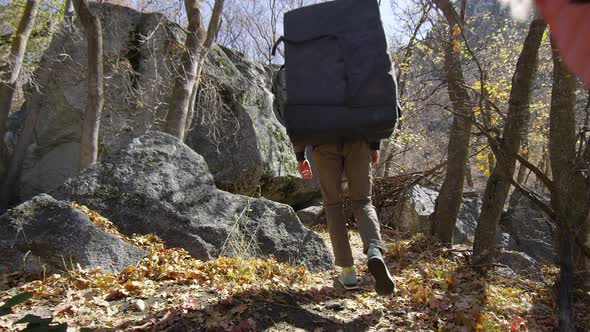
(327, 307)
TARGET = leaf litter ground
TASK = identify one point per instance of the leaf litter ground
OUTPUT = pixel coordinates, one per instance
(169, 290)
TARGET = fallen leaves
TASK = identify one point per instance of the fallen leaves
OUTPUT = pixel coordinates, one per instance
(517, 323)
(436, 292)
(106, 295)
(435, 281)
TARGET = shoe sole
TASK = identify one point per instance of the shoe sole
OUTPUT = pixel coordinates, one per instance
(348, 287)
(383, 282)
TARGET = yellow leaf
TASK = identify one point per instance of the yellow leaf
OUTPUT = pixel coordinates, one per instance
(131, 285)
(449, 280)
(456, 46)
(456, 30)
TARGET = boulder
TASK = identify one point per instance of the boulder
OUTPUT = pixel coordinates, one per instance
(234, 126)
(504, 239)
(415, 205)
(245, 145)
(530, 228)
(468, 218)
(156, 184)
(519, 262)
(44, 235)
(51, 169)
(140, 55)
(311, 216)
(413, 209)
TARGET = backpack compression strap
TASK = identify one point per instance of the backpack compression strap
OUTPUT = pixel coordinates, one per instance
(291, 41)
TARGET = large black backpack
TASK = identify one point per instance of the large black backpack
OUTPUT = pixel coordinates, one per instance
(338, 81)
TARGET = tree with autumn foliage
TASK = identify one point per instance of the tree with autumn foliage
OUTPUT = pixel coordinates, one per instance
(507, 146)
(449, 200)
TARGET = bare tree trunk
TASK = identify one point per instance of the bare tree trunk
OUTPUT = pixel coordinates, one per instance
(191, 107)
(521, 177)
(176, 119)
(507, 148)
(570, 195)
(214, 25)
(405, 63)
(491, 160)
(548, 168)
(69, 13)
(17, 54)
(383, 154)
(20, 151)
(566, 280)
(587, 113)
(91, 119)
(468, 174)
(183, 87)
(389, 163)
(546, 163)
(450, 198)
(585, 236)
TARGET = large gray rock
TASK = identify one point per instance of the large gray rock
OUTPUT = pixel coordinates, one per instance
(140, 54)
(234, 127)
(312, 215)
(52, 168)
(45, 235)
(519, 262)
(158, 185)
(530, 228)
(414, 207)
(468, 218)
(245, 145)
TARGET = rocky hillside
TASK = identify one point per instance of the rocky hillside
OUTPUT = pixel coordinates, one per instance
(234, 126)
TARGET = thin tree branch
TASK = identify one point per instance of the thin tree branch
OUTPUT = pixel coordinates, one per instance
(214, 24)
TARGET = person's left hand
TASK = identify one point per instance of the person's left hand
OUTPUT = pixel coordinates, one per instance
(374, 157)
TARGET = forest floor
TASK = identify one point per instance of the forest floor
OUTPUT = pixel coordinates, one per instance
(169, 290)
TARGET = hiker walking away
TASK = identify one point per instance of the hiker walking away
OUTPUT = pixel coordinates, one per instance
(353, 159)
(341, 100)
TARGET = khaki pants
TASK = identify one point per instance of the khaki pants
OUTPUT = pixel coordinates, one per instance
(331, 161)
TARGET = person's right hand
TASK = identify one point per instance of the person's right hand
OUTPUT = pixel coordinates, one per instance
(304, 169)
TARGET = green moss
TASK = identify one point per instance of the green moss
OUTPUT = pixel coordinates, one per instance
(279, 136)
(103, 149)
(107, 192)
(276, 191)
(220, 60)
(291, 167)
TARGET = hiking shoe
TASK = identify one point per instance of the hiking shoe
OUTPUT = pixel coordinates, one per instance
(348, 278)
(383, 281)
